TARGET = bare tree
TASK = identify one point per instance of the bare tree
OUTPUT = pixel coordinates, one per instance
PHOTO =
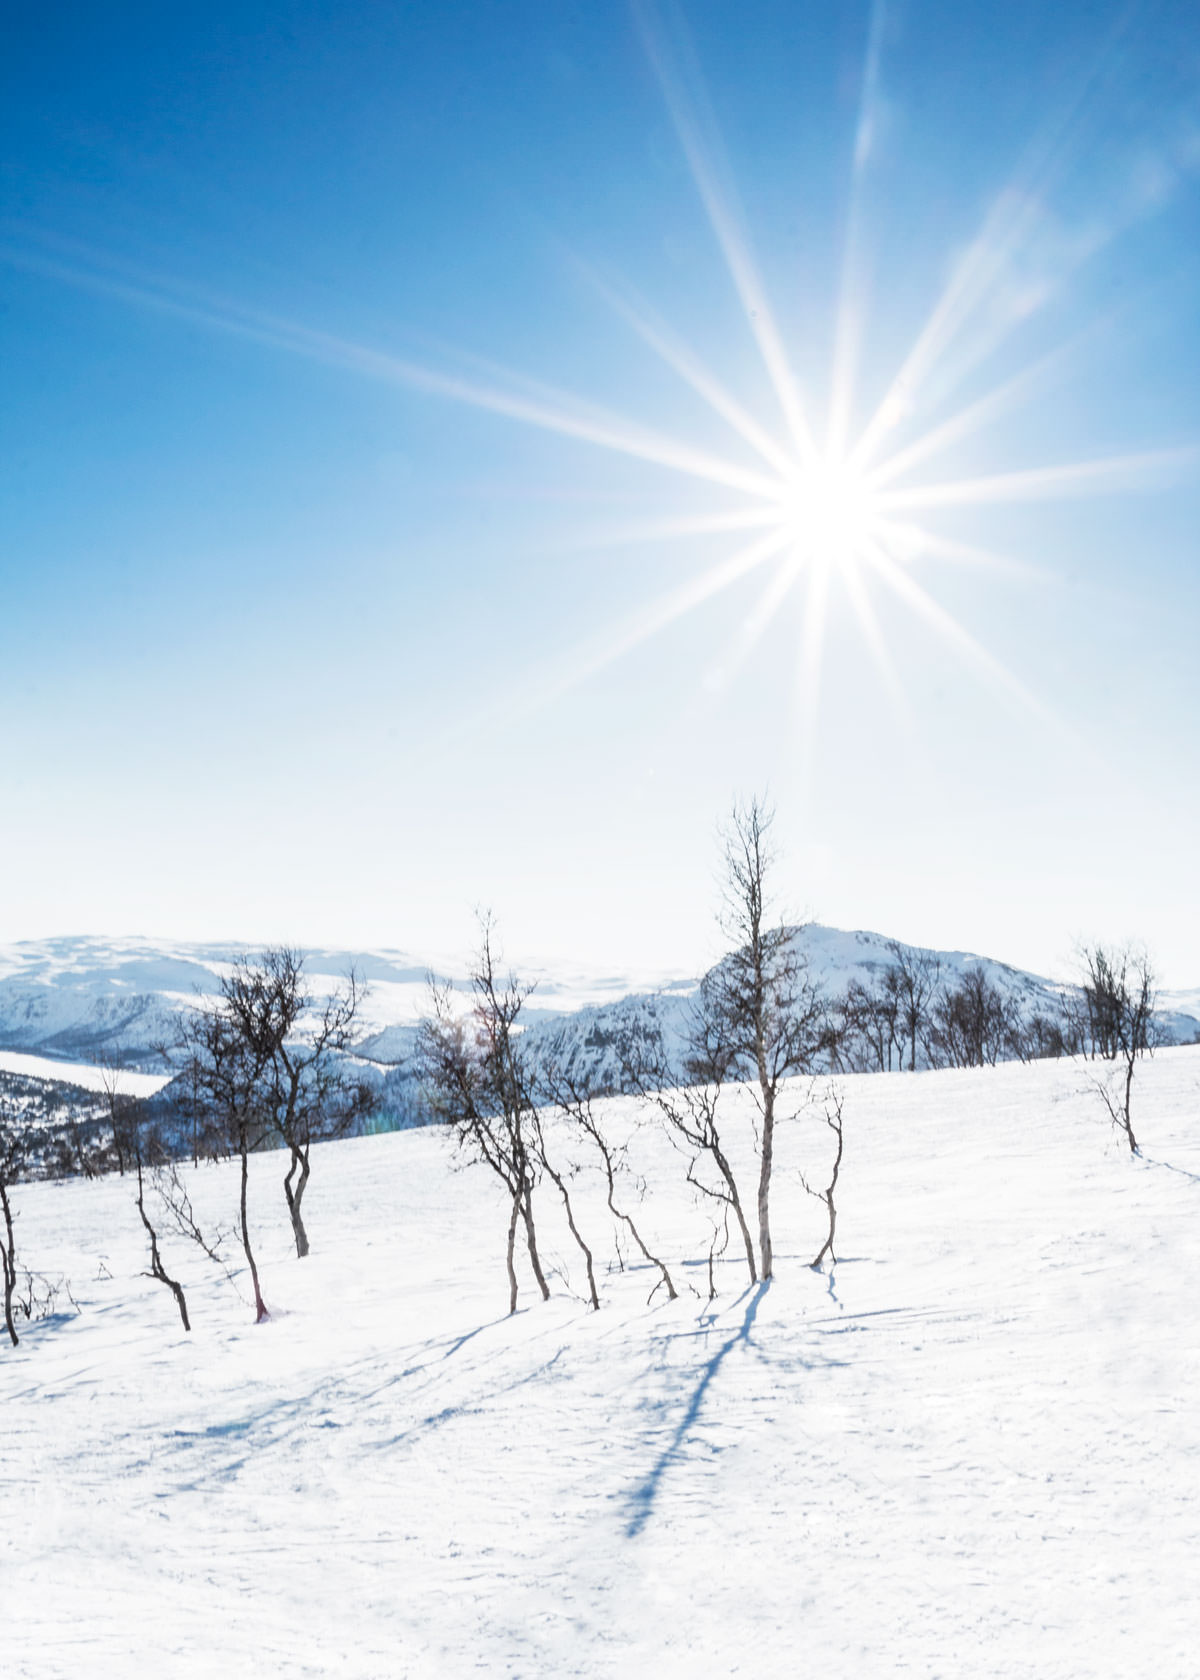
(172, 1197)
(717, 1244)
(756, 1020)
(915, 975)
(299, 1047)
(761, 1016)
(157, 1269)
(22, 1145)
(576, 1104)
(187, 1095)
(79, 1142)
(122, 1108)
(689, 1104)
(974, 1024)
(476, 1079)
(547, 1164)
(1045, 1034)
(871, 1036)
(1119, 996)
(833, 1119)
(11, 1155)
(265, 1064)
(226, 1073)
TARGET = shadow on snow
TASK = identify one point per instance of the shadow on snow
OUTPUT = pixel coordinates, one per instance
(645, 1495)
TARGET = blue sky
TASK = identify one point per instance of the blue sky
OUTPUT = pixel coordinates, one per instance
(306, 631)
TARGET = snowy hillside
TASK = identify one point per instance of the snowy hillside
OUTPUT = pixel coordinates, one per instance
(972, 1450)
(76, 999)
(590, 1038)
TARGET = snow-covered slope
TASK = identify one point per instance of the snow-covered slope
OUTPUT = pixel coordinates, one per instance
(971, 1451)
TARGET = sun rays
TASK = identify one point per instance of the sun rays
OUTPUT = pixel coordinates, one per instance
(847, 510)
(821, 500)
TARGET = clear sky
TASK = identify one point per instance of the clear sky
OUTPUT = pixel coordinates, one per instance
(450, 451)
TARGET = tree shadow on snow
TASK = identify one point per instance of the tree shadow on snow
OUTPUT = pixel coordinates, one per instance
(645, 1495)
(1170, 1166)
(336, 1398)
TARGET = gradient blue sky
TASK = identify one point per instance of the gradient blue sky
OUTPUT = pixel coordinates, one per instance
(295, 644)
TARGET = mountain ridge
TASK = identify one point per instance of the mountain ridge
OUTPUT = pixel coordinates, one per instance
(75, 998)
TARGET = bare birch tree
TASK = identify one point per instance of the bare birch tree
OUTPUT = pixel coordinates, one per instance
(689, 1103)
(12, 1153)
(1119, 996)
(548, 1165)
(122, 1108)
(833, 1120)
(761, 1016)
(24, 1145)
(974, 1023)
(158, 1270)
(872, 1035)
(576, 1104)
(306, 1092)
(915, 974)
(265, 1063)
(476, 1080)
(226, 1074)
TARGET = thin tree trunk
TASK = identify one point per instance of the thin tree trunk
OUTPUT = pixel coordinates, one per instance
(295, 1195)
(157, 1269)
(118, 1147)
(260, 1306)
(721, 1231)
(531, 1241)
(827, 1245)
(10, 1264)
(828, 1195)
(633, 1230)
(512, 1240)
(764, 1180)
(735, 1202)
(1127, 1115)
(587, 1253)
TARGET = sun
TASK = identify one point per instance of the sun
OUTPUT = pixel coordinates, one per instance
(829, 513)
(814, 506)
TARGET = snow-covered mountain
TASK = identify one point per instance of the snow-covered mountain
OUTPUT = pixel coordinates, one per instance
(74, 999)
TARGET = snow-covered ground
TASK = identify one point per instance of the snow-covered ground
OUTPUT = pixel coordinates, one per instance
(971, 1451)
(82, 1074)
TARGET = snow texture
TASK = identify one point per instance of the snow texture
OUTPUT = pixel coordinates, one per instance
(972, 1450)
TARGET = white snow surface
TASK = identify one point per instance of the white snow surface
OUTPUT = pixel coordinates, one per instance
(128, 1083)
(973, 1450)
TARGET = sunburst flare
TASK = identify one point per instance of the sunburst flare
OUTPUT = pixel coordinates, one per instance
(820, 508)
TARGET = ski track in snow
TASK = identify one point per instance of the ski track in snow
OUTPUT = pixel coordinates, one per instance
(974, 1451)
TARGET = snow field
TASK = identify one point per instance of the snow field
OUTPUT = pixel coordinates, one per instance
(84, 1076)
(974, 1451)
